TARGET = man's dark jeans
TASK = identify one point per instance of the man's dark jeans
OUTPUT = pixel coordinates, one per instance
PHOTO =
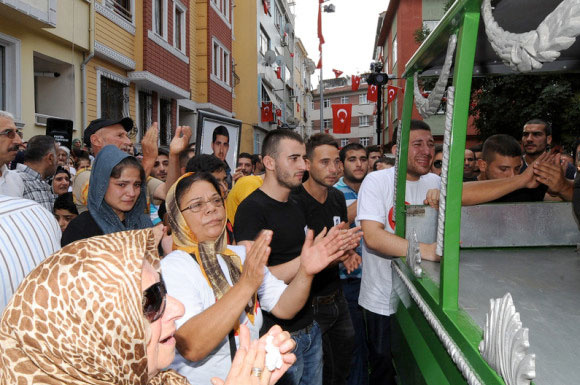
(332, 315)
(381, 367)
(359, 371)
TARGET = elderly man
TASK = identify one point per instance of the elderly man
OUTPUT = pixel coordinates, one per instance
(10, 142)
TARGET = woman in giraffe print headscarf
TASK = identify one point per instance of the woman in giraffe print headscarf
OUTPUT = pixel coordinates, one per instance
(96, 312)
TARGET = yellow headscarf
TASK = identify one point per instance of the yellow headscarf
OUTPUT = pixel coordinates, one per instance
(205, 253)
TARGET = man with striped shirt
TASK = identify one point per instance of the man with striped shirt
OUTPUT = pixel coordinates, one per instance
(28, 234)
(354, 158)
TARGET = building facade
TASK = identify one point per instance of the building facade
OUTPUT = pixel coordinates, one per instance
(339, 91)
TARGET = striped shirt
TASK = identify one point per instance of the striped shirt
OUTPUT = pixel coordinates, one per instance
(28, 234)
(350, 196)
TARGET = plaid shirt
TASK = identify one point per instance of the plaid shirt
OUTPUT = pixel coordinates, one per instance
(35, 188)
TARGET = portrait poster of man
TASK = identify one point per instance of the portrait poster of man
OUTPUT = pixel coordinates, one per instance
(218, 135)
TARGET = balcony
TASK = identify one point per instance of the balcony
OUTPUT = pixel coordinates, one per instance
(34, 13)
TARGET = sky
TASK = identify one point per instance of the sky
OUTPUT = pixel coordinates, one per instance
(349, 34)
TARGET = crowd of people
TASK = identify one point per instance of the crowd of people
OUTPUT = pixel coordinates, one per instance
(163, 267)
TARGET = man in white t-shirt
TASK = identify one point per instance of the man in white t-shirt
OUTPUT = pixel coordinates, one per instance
(376, 216)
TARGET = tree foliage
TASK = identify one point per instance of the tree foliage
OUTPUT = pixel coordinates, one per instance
(502, 104)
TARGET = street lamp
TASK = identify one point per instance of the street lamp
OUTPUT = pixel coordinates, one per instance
(328, 9)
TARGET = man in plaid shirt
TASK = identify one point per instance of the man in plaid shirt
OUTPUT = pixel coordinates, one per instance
(40, 163)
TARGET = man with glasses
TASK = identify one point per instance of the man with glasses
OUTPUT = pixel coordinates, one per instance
(10, 142)
(437, 160)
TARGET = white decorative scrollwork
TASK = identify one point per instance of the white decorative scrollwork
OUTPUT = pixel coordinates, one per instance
(445, 169)
(505, 343)
(450, 345)
(524, 52)
(428, 106)
(414, 255)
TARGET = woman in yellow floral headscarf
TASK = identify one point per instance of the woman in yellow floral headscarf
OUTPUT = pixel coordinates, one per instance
(221, 285)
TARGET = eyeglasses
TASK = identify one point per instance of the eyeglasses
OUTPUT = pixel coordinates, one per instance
(438, 163)
(200, 205)
(154, 300)
(11, 134)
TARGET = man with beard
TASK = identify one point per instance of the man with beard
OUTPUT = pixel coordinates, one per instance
(325, 207)
(271, 207)
(375, 213)
(354, 158)
(10, 142)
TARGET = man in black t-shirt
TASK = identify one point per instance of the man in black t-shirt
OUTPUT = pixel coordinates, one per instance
(325, 206)
(270, 207)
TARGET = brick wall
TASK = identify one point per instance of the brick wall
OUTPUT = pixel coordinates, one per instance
(217, 94)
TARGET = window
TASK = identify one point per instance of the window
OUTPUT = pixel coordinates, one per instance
(2, 78)
(114, 98)
(160, 18)
(362, 99)
(327, 124)
(278, 18)
(121, 8)
(343, 142)
(363, 121)
(394, 54)
(220, 70)
(312, 105)
(344, 100)
(326, 103)
(145, 109)
(264, 42)
(179, 26)
(364, 141)
(222, 7)
(164, 122)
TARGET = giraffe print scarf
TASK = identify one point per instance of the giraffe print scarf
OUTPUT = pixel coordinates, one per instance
(205, 253)
(77, 318)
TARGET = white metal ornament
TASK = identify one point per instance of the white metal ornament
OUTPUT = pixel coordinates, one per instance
(528, 51)
(397, 162)
(505, 343)
(445, 170)
(428, 106)
(414, 255)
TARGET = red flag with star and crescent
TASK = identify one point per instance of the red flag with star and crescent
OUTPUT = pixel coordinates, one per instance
(355, 82)
(392, 93)
(337, 73)
(341, 116)
(320, 37)
(372, 93)
(267, 114)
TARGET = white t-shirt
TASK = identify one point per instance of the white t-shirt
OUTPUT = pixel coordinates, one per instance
(375, 203)
(185, 282)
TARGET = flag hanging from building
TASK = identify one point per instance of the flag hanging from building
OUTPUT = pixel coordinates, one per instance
(267, 115)
(320, 37)
(278, 112)
(337, 73)
(266, 4)
(355, 80)
(372, 93)
(279, 72)
(392, 93)
(341, 117)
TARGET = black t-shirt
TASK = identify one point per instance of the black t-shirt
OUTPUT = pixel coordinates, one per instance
(524, 195)
(258, 212)
(319, 215)
(82, 227)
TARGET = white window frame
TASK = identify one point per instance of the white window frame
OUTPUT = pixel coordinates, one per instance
(219, 62)
(118, 78)
(179, 6)
(219, 6)
(264, 36)
(12, 48)
(364, 141)
(344, 100)
(312, 105)
(109, 4)
(362, 99)
(394, 49)
(363, 121)
(112, 15)
(344, 142)
(163, 31)
(327, 124)
(327, 103)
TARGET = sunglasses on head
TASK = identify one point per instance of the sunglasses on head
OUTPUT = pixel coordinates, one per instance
(438, 163)
(154, 299)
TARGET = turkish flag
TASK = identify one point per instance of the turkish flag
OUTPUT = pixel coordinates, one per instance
(337, 73)
(279, 72)
(297, 107)
(341, 116)
(355, 82)
(267, 115)
(266, 4)
(278, 112)
(392, 93)
(320, 37)
(372, 93)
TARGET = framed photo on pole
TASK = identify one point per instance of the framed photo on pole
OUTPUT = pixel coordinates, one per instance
(218, 135)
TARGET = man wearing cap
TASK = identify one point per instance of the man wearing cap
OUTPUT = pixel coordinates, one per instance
(102, 132)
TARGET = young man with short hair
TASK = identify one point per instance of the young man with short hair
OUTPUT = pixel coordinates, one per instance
(161, 165)
(374, 154)
(375, 213)
(243, 167)
(220, 144)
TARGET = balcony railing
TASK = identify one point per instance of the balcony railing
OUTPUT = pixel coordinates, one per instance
(121, 7)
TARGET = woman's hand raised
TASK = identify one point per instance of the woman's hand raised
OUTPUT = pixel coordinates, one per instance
(256, 259)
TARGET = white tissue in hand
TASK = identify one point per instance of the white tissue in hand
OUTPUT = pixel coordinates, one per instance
(273, 356)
